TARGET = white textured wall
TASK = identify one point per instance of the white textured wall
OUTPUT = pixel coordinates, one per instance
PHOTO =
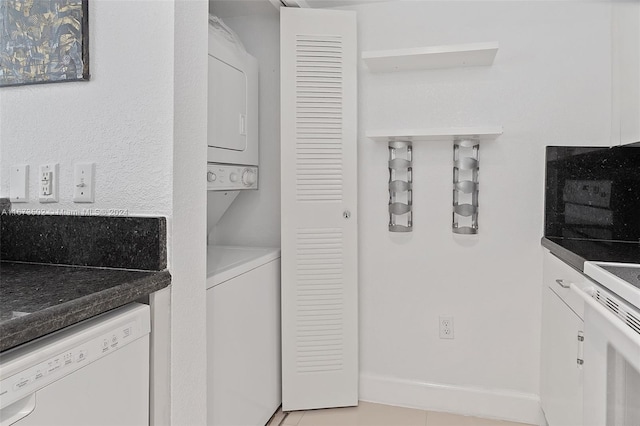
(142, 120)
(121, 119)
(550, 84)
(188, 235)
(254, 217)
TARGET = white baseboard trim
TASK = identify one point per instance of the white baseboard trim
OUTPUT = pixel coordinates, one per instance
(499, 404)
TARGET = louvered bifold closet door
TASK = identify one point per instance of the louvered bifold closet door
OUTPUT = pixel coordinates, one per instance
(319, 215)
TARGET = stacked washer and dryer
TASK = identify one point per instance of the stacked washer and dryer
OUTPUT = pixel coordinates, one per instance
(243, 283)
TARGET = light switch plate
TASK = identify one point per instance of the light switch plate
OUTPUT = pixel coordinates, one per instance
(83, 183)
(48, 183)
(19, 184)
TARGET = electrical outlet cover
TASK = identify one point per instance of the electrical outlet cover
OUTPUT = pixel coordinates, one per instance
(48, 184)
(446, 327)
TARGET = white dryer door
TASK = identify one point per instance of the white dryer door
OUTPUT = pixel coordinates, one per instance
(227, 106)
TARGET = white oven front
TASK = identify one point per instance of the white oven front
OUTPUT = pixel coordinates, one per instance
(611, 359)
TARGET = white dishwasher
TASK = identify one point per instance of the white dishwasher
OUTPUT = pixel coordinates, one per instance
(95, 372)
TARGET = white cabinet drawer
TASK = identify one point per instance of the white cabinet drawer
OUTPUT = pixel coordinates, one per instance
(558, 275)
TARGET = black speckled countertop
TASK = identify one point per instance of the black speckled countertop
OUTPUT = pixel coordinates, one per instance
(576, 252)
(39, 299)
(58, 270)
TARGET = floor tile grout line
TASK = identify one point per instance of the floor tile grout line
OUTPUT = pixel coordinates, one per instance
(283, 418)
(282, 423)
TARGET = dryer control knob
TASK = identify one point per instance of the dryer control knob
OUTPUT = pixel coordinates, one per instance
(248, 177)
(211, 177)
(233, 177)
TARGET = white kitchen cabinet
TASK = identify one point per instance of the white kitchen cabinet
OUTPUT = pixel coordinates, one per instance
(625, 72)
(561, 347)
(561, 381)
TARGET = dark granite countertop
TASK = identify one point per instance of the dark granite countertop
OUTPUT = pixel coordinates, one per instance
(576, 252)
(37, 299)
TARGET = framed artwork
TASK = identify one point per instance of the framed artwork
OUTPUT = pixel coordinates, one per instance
(43, 41)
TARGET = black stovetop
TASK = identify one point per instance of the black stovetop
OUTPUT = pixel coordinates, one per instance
(626, 273)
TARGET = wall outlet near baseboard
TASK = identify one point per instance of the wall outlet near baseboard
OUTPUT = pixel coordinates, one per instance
(446, 327)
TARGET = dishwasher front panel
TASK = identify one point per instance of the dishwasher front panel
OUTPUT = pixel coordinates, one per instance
(92, 373)
(111, 391)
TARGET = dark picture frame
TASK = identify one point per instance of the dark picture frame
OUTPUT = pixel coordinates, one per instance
(43, 41)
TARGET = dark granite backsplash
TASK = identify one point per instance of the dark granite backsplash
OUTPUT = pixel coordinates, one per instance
(593, 193)
(100, 241)
(5, 206)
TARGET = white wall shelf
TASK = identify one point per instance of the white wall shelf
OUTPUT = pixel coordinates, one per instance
(432, 57)
(450, 134)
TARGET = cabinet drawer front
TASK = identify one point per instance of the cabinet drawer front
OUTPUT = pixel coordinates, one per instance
(558, 275)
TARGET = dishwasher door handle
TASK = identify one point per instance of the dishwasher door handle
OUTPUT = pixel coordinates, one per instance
(18, 410)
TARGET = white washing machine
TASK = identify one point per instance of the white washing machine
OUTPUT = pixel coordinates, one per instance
(243, 335)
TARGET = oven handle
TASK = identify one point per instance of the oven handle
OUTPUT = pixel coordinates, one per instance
(627, 340)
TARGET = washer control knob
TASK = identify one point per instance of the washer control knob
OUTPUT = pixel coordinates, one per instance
(211, 177)
(233, 177)
(248, 177)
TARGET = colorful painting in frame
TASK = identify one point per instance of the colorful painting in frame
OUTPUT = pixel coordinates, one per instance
(43, 41)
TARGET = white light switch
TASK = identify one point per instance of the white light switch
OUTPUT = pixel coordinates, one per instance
(19, 184)
(48, 185)
(83, 183)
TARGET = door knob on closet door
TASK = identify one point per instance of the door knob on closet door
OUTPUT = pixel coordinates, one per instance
(346, 214)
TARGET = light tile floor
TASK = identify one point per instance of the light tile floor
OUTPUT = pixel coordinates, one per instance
(369, 414)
